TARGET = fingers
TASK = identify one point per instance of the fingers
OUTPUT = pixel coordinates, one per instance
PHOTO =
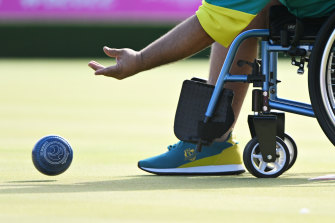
(101, 70)
(95, 65)
(112, 52)
(111, 71)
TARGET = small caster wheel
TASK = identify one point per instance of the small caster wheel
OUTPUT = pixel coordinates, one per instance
(253, 159)
(292, 148)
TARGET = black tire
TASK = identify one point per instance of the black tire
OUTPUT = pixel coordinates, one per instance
(292, 148)
(254, 164)
(321, 95)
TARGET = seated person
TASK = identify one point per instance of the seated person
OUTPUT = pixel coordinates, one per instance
(216, 23)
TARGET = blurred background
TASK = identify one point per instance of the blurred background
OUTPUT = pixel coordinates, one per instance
(80, 28)
(47, 88)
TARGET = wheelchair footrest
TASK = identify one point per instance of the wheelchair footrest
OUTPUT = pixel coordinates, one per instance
(189, 122)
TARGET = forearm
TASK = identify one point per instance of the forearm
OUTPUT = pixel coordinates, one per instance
(182, 41)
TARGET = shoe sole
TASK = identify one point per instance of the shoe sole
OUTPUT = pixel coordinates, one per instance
(234, 169)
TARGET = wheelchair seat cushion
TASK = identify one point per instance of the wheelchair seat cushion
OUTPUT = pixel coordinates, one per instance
(281, 20)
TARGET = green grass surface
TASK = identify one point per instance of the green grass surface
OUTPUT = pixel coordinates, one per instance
(112, 124)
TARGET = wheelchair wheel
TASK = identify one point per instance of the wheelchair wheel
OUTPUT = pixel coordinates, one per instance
(253, 159)
(321, 78)
(292, 148)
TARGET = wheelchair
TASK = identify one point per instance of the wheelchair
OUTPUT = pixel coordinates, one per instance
(204, 111)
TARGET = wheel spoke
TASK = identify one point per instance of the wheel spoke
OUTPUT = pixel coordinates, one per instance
(277, 166)
(262, 166)
(257, 156)
(278, 151)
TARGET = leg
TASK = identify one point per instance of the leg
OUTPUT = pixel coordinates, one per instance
(247, 51)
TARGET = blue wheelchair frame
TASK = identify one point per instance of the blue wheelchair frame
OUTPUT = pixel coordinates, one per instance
(269, 56)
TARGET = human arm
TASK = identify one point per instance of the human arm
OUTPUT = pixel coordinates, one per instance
(182, 41)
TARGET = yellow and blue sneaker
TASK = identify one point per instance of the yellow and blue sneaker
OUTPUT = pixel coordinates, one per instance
(220, 158)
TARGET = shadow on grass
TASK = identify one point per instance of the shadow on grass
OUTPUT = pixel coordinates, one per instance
(31, 181)
(152, 182)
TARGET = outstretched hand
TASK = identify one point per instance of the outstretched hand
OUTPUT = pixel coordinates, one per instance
(128, 63)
